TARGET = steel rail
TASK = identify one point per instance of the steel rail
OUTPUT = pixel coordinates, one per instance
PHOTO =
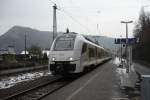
(31, 89)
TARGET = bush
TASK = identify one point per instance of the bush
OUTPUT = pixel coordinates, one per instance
(10, 58)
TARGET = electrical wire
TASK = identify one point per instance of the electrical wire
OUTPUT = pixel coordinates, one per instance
(52, 1)
(70, 16)
(75, 20)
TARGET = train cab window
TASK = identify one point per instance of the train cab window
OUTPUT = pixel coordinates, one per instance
(64, 43)
(84, 48)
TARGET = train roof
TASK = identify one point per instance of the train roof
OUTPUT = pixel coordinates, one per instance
(89, 41)
(84, 38)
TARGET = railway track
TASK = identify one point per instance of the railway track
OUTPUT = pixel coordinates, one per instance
(38, 92)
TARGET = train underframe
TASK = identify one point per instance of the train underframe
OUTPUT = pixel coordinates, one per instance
(62, 68)
(68, 68)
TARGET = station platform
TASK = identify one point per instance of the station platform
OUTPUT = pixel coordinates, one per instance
(99, 84)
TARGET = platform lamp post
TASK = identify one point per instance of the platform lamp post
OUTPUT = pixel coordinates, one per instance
(98, 13)
(121, 48)
(126, 50)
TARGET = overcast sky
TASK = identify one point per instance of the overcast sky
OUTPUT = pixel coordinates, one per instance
(95, 17)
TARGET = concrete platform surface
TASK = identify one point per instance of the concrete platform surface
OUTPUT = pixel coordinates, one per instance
(100, 84)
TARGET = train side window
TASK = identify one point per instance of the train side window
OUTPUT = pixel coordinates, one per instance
(84, 48)
(91, 52)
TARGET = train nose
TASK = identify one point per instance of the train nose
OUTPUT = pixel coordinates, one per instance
(62, 67)
(59, 68)
(63, 56)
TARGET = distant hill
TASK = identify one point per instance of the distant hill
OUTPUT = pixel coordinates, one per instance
(15, 36)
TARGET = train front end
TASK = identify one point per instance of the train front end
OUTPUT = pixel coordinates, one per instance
(63, 58)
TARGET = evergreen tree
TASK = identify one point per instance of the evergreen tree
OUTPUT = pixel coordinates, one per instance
(45, 59)
(36, 53)
(142, 33)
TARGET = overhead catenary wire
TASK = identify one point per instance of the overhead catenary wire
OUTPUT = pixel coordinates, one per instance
(52, 1)
(58, 2)
(75, 20)
(70, 16)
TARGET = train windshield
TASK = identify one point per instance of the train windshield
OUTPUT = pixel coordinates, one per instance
(64, 43)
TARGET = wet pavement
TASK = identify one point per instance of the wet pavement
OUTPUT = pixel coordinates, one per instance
(100, 84)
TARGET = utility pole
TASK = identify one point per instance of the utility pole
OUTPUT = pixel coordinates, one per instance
(126, 50)
(25, 48)
(54, 22)
(98, 28)
(54, 26)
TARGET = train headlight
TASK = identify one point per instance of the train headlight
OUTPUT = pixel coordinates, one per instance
(53, 58)
(70, 58)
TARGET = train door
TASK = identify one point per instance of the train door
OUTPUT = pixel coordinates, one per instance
(84, 58)
(96, 55)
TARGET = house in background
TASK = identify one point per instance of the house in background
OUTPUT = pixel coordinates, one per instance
(3, 51)
(9, 50)
(46, 50)
(23, 52)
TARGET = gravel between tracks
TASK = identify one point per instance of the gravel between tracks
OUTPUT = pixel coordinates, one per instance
(43, 90)
(23, 86)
